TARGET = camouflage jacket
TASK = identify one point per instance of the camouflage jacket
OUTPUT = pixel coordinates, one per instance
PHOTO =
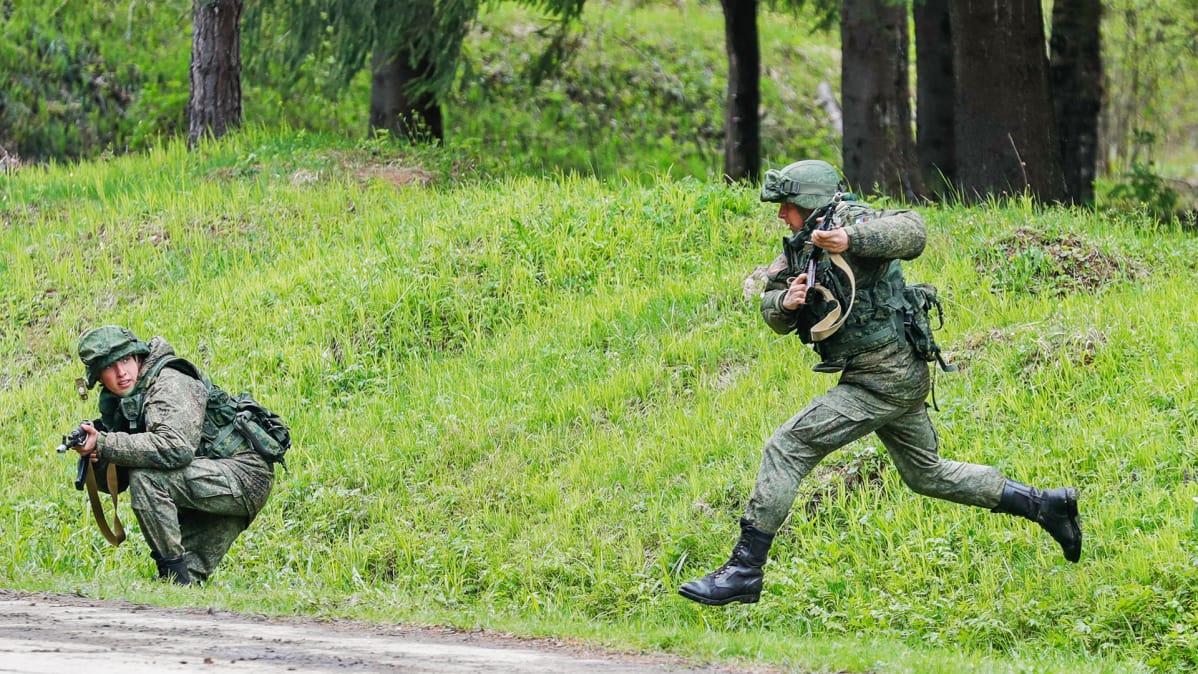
(876, 238)
(174, 417)
(173, 414)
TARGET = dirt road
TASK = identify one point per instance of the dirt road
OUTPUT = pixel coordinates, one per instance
(54, 634)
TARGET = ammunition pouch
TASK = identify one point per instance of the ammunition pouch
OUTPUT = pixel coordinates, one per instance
(921, 300)
(230, 422)
(874, 322)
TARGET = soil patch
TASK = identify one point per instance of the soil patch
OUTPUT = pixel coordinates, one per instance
(1032, 261)
(398, 176)
(56, 633)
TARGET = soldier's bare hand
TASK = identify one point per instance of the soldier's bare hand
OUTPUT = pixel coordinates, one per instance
(831, 240)
(89, 445)
(796, 294)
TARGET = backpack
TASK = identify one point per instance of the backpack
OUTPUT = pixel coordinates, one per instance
(230, 419)
(264, 430)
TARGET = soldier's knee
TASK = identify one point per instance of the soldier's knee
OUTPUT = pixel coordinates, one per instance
(784, 447)
(923, 481)
(142, 482)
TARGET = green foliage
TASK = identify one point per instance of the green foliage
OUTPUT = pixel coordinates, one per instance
(640, 88)
(426, 34)
(1142, 189)
(75, 85)
(536, 404)
(638, 96)
(1151, 110)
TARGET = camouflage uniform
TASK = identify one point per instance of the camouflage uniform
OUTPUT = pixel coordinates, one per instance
(880, 391)
(882, 387)
(186, 504)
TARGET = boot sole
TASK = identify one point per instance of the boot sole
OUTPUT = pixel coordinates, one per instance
(742, 598)
(1071, 507)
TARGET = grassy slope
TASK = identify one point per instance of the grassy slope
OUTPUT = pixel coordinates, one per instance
(536, 405)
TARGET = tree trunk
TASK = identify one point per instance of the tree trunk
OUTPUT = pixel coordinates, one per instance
(879, 150)
(393, 104)
(1075, 75)
(935, 143)
(1003, 105)
(742, 125)
(215, 103)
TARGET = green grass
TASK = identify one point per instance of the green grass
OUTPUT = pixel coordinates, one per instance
(537, 405)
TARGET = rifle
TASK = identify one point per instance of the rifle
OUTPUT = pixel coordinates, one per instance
(803, 256)
(72, 440)
(85, 476)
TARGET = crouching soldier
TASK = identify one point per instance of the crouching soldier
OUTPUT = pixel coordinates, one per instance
(199, 469)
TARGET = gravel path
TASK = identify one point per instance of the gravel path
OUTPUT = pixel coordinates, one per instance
(53, 634)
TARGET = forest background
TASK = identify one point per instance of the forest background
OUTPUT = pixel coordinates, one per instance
(640, 91)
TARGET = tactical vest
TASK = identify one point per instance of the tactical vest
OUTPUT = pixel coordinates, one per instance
(875, 321)
(876, 317)
(229, 422)
(883, 311)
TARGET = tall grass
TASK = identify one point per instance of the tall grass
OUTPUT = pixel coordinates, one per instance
(538, 404)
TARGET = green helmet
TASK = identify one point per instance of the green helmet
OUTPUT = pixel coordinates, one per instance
(101, 347)
(810, 183)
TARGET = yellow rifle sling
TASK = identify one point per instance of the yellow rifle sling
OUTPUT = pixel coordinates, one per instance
(93, 495)
(835, 319)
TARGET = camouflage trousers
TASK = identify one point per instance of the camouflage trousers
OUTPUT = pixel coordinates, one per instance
(849, 412)
(198, 511)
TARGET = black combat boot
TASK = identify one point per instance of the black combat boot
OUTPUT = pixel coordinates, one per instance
(159, 562)
(176, 570)
(1055, 510)
(739, 579)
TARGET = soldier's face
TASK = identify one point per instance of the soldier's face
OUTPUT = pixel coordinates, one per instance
(120, 377)
(792, 215)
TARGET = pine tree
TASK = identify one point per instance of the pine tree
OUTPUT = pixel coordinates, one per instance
(935, 139)
(1003, 105)
(214, 105)
(878, 144)
(742, 123)
(1075, 73)
(412, 48)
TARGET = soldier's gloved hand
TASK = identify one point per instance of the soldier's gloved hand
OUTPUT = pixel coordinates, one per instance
(89, 445)
(832, 240)
(796, 295)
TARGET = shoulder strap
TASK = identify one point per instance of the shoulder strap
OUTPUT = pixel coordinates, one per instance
(147, 380)
(175, 363)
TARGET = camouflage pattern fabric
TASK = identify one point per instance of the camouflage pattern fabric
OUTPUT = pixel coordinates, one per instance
(880, 391)
(198, 510)
(182, 502)
(809, 183)
(105, 345)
